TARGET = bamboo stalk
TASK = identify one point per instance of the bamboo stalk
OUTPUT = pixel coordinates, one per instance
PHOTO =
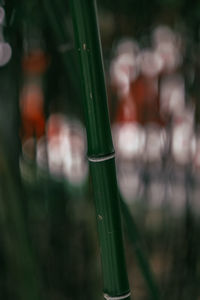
(135, 239)
(19, 258)
(100, 149)
(55, 16)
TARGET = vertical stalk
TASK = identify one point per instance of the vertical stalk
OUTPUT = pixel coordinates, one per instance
(55, 16)
(100, 149)
(23, 271)
(142, 260)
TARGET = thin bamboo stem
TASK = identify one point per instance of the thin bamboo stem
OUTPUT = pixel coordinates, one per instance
(54, 12)
(100, 149)
(19, 257)
(135, 239)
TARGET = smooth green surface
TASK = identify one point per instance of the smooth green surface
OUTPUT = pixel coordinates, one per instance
(109, 227)
(92, 75)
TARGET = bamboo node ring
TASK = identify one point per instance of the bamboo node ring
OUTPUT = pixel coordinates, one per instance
(100, 159)
(107, 297)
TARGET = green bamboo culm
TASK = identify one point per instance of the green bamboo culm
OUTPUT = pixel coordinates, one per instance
(55, 15)
(138, 247)
(100, 149)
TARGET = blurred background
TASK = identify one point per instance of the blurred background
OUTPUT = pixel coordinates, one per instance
(49, 248)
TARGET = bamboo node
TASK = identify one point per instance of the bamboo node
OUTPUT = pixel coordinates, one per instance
(102, 158)
(107, 297)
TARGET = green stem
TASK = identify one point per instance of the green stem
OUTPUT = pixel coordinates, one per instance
(23, 269)
(56, 19)
(100, 148)
(142, 260)
(92, 77)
